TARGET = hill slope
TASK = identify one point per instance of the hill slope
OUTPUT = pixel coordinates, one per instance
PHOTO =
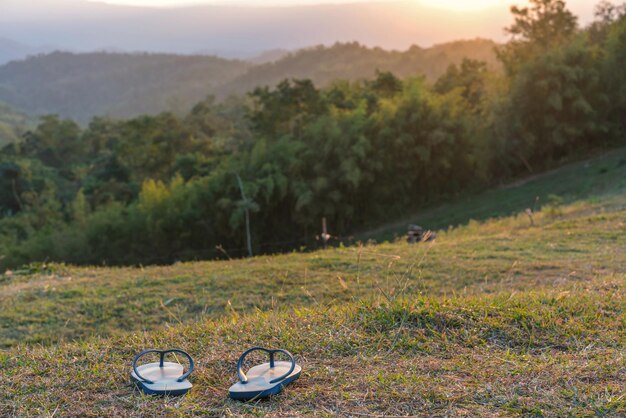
(497, 318)
(352, 61)
(59, 303)
(81, 86)
(601, 175)
(536, 327)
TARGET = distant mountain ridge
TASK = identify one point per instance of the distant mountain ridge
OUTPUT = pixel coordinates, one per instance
(11, 50)
(352, 61)
(81, 86)
(241, 32)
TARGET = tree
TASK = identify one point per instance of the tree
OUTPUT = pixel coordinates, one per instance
(607, 12)
(246, 205)
(554, 106)
(614, 77)
(286, 109)
(10, 188)
(386, 84)
(543, 25)
(469, 77)
(56, 143)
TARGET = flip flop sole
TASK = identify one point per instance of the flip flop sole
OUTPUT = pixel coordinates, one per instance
(254, 395)
(258, 385)
(164, 378)
(161, 392)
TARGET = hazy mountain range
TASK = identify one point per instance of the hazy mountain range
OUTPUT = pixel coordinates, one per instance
(81, 86)
(238, 32)
(11, 50)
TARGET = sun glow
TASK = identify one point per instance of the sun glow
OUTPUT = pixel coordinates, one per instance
(465, 5)
(457, 5)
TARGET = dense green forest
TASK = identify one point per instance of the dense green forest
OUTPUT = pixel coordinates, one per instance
(156, 189)
(13, 124)
(81, 86)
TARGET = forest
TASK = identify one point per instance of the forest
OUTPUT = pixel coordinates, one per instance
(164, 188)
(13, 124)
(124, 85)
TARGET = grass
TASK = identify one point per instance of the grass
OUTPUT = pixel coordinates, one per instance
(581, 180)
(494, 318)
(540, 353)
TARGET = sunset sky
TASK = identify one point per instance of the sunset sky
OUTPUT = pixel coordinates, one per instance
(87, 25)
(459, 5)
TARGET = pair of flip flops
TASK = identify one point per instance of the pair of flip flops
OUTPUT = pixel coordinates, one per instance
(169, 379)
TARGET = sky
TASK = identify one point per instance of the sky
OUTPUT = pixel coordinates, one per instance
(170, 3)
(91, 25)
(445, 4)
(581, 6)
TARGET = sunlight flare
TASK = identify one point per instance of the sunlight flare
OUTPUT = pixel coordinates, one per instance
(465, 5)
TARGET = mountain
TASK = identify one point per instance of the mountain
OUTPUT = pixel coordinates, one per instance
(84, 85)
(269, 56)
(81, 86)
(352, 61)
(11, 50)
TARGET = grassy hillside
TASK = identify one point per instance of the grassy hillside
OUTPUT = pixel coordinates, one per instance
(51, 303)
(493, 318)
(598, 176)
(81, 86)
(522, 321)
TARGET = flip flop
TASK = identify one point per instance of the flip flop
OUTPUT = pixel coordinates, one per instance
(162, 378)
(265, 379)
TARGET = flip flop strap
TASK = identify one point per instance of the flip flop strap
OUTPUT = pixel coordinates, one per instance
(162, 354)
(242, 376)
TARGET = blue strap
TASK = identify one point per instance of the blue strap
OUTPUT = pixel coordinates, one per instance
(242, 376)
(162, 354)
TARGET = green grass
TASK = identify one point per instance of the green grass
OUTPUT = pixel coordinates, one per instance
(586, 179)
(499, 317)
